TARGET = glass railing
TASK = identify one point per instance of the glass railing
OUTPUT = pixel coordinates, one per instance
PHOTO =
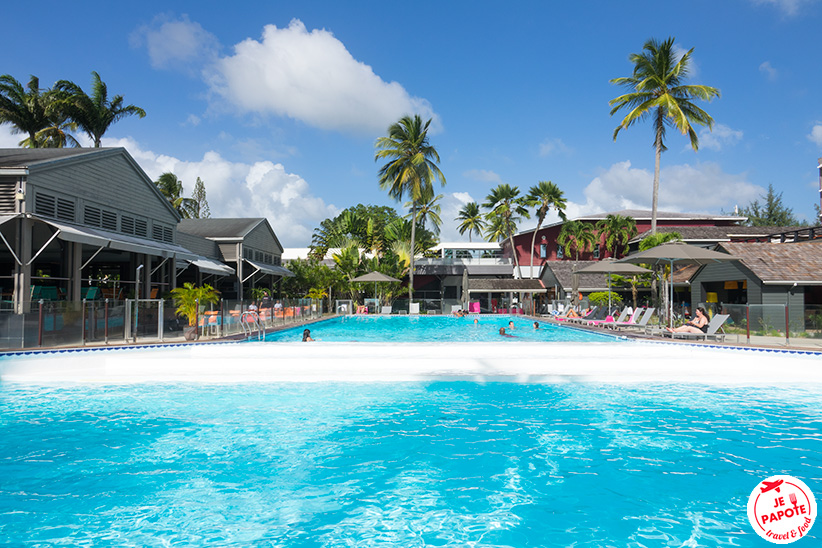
(48, 324)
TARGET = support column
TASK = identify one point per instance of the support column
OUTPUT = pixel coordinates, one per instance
(22, 273)
(75, 252)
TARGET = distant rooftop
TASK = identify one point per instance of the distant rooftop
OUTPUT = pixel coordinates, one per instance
(645, 215)
(219, 228)
(25, 157)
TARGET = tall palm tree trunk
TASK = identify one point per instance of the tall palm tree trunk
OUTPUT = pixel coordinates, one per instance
(413, 241)
(514, 252)
(658, 155)
(533, 243)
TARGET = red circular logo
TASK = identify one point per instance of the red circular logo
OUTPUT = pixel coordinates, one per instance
(782, 509)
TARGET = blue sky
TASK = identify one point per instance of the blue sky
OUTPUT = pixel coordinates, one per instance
(276, 105)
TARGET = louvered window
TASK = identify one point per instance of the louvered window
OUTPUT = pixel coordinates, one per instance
(157, 233)
(45, 205)
(92, 216)
(127, 224)
(65, 209)
(109, 220)
(168, 235)
(7, 191)
(141, 228)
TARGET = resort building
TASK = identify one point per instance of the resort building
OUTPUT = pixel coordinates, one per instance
(81, 223)
(546, 248)
(249, 246)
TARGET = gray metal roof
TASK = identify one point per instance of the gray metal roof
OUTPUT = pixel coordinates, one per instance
(219, 228)
(563, 271)
(26, 157)
(718, 233)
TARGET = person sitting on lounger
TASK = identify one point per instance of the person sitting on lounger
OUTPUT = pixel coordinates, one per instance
(698, 325)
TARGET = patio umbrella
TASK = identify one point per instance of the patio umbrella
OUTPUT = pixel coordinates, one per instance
(375, 277)
(677, 253)
(610, 266)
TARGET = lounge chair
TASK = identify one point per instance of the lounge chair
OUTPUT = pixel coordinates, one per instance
(606, 321)
(386, 310)
(592, 315)
(414, 308)
(642, 323)
(713, 326)
(598, 314)
(455, 308)
(631, 320)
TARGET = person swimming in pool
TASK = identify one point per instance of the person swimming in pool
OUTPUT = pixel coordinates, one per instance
(536, 325)
(307, 336)
(511, 325)
(504, 334)
(476, 321)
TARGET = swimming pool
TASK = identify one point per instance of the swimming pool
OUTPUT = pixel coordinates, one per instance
(397, 464)
(437, 329)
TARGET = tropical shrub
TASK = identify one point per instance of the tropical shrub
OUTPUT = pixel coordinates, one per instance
(189, 298)
(600, 298)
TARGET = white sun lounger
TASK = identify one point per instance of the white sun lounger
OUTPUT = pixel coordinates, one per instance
(713, 326)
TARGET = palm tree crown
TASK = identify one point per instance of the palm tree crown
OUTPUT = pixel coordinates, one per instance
(576, 235)
(411, 168)
(470, 218)
(27, 109)
(506, 208)
(172, 188)
(617, 231)
(544, 195)
(94, 114)
(658, 91)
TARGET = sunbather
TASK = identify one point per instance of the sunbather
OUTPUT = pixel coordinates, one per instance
(697, 325)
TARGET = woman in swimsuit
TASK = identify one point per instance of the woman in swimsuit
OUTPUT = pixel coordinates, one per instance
(698, 325)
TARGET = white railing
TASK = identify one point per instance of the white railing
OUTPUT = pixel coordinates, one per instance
(466, 262)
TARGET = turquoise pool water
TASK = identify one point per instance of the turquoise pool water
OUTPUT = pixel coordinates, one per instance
(400, 464)
(437, 329)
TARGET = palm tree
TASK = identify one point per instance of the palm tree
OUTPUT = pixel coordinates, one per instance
(617, 231)
(429, 211)
(576, 235)
(27, 109)
(544, 195)
(411, 169)
(470, 218)
(506, 208)
(172, 188)
(657, 91)
(94, 114)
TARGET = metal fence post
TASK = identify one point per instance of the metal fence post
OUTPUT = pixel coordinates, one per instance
(40, 324)
(105, 326)
(748, 322)
(83, 322)
(160, 320)
(787, 326)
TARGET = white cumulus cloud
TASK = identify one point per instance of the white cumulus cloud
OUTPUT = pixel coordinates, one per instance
(234, 189)
(310, 76)
(816, 134)
(719, 136)
(177, 43)
(683, 188)
(450, 205)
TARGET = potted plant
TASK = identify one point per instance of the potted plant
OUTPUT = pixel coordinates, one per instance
(188, 300)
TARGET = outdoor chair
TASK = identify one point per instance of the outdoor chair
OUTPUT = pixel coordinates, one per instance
(713, 326)
(386, 310)
(414, 308)
(642, 323)
(606, 321)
